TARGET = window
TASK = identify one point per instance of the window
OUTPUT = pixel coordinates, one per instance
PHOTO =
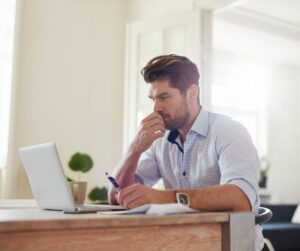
(147, 39)
(241, 76)
(238, 90)
(254, 75)
(7, 19)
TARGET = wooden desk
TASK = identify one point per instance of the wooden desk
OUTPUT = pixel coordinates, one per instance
(34, 229)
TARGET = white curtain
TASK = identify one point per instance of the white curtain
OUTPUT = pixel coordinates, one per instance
(7, 24)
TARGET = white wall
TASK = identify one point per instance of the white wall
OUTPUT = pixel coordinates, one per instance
(145, 9)
(68, 87)
(298, 119)
(68, 84)
(280, 57)
(68, 80)
(283, 134)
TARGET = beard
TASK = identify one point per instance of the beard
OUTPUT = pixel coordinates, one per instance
(180, 118)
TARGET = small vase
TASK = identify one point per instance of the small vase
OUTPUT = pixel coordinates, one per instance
(263, 182)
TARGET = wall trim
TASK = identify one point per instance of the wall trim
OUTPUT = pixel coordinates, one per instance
(262, 22)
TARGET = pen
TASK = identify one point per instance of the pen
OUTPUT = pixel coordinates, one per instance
(113, 182)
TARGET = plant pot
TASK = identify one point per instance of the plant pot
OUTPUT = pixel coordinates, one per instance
(263, 182)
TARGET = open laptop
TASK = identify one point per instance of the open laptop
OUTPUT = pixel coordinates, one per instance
(49, 183)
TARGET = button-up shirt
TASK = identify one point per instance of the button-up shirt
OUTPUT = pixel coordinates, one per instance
(217, 150)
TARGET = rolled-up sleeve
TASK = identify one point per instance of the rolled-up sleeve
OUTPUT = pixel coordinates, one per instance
(238, 161)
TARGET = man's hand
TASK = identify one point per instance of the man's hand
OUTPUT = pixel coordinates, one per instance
(137, 195)
(152, 127)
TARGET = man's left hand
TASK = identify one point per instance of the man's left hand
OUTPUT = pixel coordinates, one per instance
(137, 195)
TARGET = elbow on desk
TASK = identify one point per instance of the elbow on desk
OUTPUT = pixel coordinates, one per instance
(241, 201)
(242, 205)
(242, 208)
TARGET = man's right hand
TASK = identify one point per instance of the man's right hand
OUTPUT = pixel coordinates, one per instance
(152, 127)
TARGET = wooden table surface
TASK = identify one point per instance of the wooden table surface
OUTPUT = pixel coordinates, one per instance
(31, 228)
(37, 219)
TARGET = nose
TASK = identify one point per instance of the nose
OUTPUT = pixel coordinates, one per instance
(157, 107)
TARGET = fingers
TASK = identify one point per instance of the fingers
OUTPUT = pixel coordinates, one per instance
(128, 191)
(137, 195)
(153, 123)
(158, 134)
(153, 119)
(136, 203)
(152, 127)
(133, 196)
(133, 200)
(117, 198)
(151, 116)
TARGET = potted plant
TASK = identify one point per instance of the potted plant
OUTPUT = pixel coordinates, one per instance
(263, 171)
(99, 195)
(83, 163)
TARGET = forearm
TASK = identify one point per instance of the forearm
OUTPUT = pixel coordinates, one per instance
(219, 198)
(215, 198)
(152, 128)
(125, 173)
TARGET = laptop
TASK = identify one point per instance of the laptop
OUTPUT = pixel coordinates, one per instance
(49, 183)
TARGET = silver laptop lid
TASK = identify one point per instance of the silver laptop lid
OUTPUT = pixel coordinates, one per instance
(46, 176)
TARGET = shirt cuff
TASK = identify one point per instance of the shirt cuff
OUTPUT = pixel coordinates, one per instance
(249, 191)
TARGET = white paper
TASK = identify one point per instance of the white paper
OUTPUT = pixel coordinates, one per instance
(155, 209)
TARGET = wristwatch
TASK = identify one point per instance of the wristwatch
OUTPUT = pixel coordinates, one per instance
(183, 198)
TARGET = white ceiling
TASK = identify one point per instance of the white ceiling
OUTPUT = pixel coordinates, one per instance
(255, 44)
(233, 35)
(288, 10)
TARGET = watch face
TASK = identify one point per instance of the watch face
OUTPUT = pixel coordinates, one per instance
(183, 198)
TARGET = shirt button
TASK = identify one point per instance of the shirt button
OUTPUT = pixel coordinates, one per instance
(184, 173)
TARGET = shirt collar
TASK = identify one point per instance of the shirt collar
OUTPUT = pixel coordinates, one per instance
(199, 126)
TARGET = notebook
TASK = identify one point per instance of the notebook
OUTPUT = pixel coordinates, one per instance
(49, 183)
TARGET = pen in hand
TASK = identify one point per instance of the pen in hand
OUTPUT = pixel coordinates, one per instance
(113, 182)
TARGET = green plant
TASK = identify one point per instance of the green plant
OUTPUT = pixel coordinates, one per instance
(98, 195)
(264, 166)
(81, 163)
(263, 171)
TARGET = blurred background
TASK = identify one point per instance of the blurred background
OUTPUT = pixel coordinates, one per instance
(69, 73)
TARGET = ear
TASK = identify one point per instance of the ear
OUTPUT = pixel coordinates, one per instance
(193, 92)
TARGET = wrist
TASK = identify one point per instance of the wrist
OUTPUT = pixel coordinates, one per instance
(134, 151)
(182, 197)
(170, 196)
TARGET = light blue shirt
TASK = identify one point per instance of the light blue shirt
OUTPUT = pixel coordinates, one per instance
(217, 150)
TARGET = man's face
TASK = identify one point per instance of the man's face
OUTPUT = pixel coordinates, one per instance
(170, 103)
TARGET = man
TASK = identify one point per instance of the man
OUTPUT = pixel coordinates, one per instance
(206, 161)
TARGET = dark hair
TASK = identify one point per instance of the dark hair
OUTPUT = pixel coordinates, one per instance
(180, 71)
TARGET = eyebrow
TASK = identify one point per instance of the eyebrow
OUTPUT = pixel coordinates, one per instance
(159, 95)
